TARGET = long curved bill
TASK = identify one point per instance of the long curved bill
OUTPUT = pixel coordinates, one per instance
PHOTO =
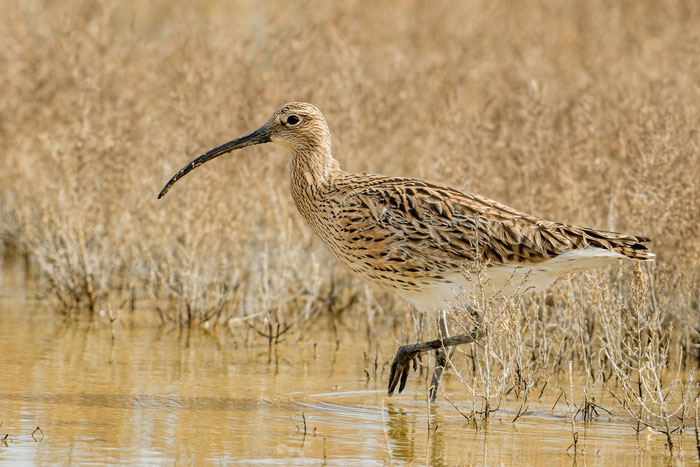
(259, 136)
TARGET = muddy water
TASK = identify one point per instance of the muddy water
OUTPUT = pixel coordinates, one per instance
(159, 396)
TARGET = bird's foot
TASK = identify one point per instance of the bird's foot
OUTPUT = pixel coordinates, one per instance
(405, 355)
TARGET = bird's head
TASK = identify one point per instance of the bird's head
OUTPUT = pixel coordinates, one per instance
(297, 125)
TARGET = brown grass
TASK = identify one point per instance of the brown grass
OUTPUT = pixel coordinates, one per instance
(586, 113)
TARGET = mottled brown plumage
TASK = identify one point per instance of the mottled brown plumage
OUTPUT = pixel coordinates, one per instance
(401, 228)
(415, 237)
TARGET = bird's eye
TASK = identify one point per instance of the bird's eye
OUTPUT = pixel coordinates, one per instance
(293, 120)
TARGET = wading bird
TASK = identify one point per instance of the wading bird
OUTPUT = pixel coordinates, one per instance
(415, 238)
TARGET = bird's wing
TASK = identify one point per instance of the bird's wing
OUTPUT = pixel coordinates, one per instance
(400, 219)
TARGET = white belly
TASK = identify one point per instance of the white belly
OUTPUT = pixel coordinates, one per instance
(506, 280)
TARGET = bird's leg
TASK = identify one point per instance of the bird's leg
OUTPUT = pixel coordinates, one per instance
(407, 354)
(440, 357)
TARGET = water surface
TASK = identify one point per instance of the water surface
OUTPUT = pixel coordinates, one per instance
(156, 395)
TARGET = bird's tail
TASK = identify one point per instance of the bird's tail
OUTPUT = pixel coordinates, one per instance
(630, 246)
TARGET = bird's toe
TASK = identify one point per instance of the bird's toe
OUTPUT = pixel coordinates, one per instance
(400, 368)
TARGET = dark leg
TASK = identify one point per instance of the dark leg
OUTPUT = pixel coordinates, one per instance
(440, 358)
(407, 354)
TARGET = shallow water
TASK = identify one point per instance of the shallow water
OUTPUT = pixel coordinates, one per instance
(160, 396)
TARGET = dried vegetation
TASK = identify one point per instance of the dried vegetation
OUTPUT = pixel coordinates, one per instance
(586, 113)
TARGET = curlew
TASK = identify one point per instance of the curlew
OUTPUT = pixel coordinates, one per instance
(414, 237)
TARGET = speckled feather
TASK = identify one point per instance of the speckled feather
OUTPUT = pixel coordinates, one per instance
(407, 234)
(401, 232)
(404, 231)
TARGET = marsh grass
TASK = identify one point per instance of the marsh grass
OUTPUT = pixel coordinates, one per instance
(583, 113)
(581, 339)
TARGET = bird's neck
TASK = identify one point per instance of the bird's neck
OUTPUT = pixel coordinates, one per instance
(311, 178)
(312, 167)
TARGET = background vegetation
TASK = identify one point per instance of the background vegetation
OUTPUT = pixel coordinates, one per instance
(581, 112)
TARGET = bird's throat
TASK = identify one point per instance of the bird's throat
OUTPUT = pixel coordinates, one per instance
(311, 176)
